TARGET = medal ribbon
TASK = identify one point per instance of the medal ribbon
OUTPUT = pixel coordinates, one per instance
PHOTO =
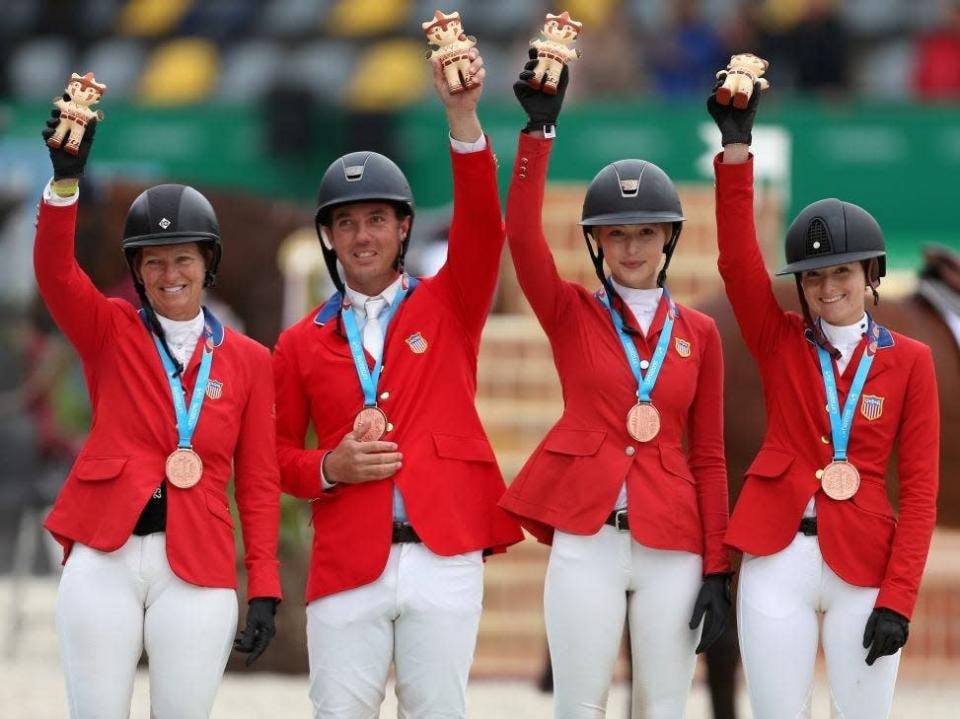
(187, 420)
(645, 382)
(841, 425)
(368, 379)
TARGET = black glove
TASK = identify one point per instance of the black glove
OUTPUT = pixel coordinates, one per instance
(542, 109)
(714, 601)
(66, 165)
(260, 628)
(735, 125)
(885, 634)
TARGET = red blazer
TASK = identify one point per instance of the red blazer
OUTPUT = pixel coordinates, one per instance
(860, 538)
(677, 499)
(450, 481)
(134, 429)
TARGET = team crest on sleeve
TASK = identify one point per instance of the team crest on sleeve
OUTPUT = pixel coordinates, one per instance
(417, 343)
(214, 389)
(871, 406)
(682, 346)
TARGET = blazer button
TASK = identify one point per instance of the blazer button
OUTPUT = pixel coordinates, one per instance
(384, 395)
(389, 427)
(630, 451)
(825, 439)
(818, 474)
(644, 364)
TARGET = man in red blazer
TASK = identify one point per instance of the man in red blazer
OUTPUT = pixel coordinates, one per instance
(404, 483)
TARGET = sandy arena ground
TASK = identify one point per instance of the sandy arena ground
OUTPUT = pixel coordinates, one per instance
(31, 685)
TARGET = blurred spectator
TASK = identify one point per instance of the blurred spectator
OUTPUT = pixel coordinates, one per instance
(689, 54)
(819, 45)
(937, 64)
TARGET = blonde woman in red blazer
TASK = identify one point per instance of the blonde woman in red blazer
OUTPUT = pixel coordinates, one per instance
(636, 521)
(819, 537)
(143, 516)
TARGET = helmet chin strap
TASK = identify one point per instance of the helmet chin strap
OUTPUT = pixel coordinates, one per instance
(871, 269)
(818, 336)
(155, 323)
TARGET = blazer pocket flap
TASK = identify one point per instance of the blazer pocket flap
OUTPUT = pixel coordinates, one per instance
(94, 469)
(578, 442)
(770, 463)
(217, 504)
(675, 462)
(469, 449)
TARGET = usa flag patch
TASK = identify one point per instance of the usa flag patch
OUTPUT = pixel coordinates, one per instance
(682, 346)
(417, 343)
(214, 389)
(871, 406)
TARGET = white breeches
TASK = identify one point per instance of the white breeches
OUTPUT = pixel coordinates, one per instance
(113, 605)
(421, 614)
(778, 602)
(595, 582)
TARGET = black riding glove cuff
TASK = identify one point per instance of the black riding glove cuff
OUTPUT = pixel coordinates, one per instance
(713, 608)
(885, 634)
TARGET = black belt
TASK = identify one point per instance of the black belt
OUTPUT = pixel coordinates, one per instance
(619, 519)
(404, 534)
(808, 527)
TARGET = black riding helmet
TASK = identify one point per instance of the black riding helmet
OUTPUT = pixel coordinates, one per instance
(832, 232)
(631, 192)
(363, 176)
(171, 215)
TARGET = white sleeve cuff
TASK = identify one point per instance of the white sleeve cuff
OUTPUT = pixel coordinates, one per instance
(465, 147)
(52, 198)
(324, 484)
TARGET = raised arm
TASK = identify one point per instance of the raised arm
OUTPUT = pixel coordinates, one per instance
(76, 305)
(475, 243)
(536, 270)
(741, 264)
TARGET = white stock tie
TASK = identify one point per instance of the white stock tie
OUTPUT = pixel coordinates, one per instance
(372, 334)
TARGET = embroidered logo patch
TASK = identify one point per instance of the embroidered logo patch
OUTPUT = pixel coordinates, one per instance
(682, 346)
(417, 343)
(871, 406)
(214, 389)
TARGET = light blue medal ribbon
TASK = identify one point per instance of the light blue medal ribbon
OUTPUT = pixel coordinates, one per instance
(841, 425)
(187, 419)
(645, 382)
(369, 380)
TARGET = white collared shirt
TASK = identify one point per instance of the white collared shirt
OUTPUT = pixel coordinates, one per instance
(358, 302)
(845, 338)
(182, 335)
(643, 303)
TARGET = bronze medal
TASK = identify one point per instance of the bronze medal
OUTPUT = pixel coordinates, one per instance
(376, 421)
(840, 480)
(184, 468)
(643, 422)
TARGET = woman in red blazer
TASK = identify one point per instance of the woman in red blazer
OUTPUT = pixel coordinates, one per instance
(636, 522)
(813, 520)
(180, 404)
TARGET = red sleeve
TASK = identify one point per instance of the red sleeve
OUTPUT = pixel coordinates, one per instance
(299, 467)
(707, 459)
(80, 310)
(257, 483)
(918, 468)
(536, 270)
(762, 321)
(476, 238)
